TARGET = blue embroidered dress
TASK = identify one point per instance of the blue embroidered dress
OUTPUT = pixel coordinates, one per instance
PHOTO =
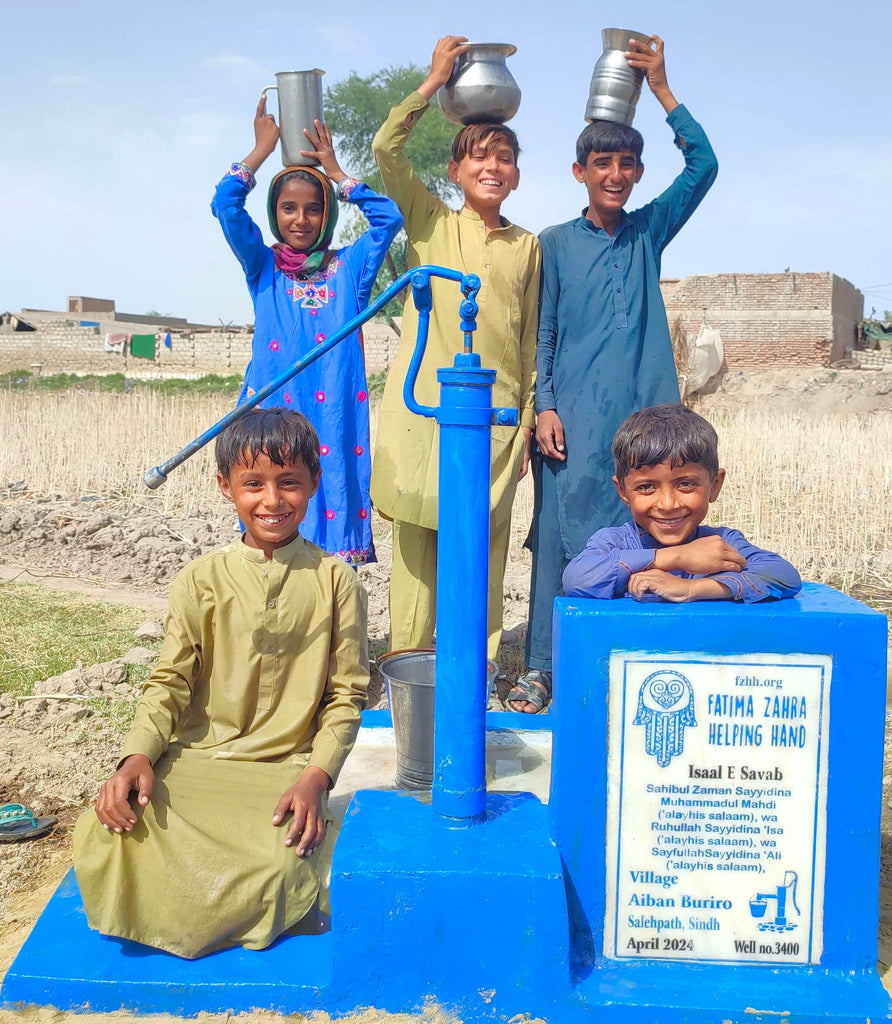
(292, 314)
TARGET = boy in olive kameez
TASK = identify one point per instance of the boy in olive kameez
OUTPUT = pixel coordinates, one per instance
(475, 239)
(242, 728)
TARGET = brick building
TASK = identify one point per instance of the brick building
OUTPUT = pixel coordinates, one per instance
(769, 321)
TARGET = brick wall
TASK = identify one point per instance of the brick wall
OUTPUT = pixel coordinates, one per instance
(65, 347)
(765, 320)
(769, 320)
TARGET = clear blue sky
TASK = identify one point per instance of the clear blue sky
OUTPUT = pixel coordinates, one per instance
(117, 119)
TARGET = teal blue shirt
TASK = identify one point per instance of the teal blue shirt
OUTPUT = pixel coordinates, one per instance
(603, 346)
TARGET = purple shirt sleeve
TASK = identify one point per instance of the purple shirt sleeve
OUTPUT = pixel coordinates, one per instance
(603, 567)
(766, 574)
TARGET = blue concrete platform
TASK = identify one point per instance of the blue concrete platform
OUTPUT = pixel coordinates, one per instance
(65, 964)
(473, 915)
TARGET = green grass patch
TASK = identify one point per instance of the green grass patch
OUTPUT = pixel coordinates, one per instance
(118, 383)
(376, 384)
(46, 632)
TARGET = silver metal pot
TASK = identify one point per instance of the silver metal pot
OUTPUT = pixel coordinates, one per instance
(300, 104)
(481, 88)
(615, 87)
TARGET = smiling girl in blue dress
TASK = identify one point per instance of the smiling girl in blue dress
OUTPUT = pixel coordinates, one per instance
(303, 291)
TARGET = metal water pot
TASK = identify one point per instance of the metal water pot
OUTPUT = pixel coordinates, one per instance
(481, 88)
(300, 104)
(615, 87)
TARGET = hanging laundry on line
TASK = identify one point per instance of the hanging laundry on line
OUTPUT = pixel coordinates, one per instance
(116, 342)
(142, 346)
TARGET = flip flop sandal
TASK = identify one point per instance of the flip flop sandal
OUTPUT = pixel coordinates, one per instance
(18, 824)
(533, 687)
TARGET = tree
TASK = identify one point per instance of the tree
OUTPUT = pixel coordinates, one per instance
(355, 108)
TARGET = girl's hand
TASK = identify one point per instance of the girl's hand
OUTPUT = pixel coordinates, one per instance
(304, 801)
(266, 131)
(113, 803)
(266, 135)
(323, 151)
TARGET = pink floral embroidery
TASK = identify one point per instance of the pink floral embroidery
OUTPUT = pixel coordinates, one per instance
(320, 396)
(357, 450)
(361, 396)
(320, 338)
(287, 398)
(363, 513)
(329, 513)
(274, 345)
(313, 312)
(324, 449)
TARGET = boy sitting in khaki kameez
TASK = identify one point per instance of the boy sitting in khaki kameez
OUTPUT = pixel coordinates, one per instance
(476, 239)
(242, 728)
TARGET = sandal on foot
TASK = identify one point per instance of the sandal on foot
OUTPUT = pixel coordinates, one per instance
(534, 686)
(17, 823)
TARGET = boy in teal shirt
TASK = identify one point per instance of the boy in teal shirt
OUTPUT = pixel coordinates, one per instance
(603, 344)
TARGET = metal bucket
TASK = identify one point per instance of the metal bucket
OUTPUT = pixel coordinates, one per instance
(300, 105)
(410, 689)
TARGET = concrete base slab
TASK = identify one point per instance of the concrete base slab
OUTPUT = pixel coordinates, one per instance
(473, 915)
(65, 964)
(645, 992)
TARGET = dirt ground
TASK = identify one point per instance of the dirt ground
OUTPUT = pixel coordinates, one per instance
(53, 756)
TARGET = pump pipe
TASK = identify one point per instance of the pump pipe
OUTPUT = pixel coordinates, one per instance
(465, 417)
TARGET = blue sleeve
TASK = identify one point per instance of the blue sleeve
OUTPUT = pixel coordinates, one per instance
(766, 574)
(546, 338)
(242, 234)
(368, 252)
(668, 213)
(602, 569)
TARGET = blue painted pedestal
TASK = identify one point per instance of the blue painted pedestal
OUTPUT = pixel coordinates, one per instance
(634, 956)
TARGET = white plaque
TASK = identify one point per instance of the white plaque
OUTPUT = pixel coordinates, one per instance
(716, 818)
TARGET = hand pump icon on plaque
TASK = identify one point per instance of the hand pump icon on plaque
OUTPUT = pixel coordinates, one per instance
(784, 896)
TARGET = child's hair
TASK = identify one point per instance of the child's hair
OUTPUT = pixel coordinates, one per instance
(608, 137)
(664, 432)
(304, 176)
(474, 135)
(283, 435)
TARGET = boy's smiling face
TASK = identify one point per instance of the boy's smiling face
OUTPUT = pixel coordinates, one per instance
(609, 179)
(270, 500)
(487, 175)
(670, 502)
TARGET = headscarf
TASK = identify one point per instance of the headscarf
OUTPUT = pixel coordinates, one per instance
(303, 261)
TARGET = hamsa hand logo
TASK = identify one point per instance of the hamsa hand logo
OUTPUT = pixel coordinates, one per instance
(665, 707)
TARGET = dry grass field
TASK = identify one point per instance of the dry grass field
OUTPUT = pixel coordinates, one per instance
(816, 488)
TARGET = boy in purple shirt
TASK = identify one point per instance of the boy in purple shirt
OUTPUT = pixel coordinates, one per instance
(667, 472)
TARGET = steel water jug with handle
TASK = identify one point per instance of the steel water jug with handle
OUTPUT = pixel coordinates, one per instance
(481, 88)
(300, 104)
(615, 87)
